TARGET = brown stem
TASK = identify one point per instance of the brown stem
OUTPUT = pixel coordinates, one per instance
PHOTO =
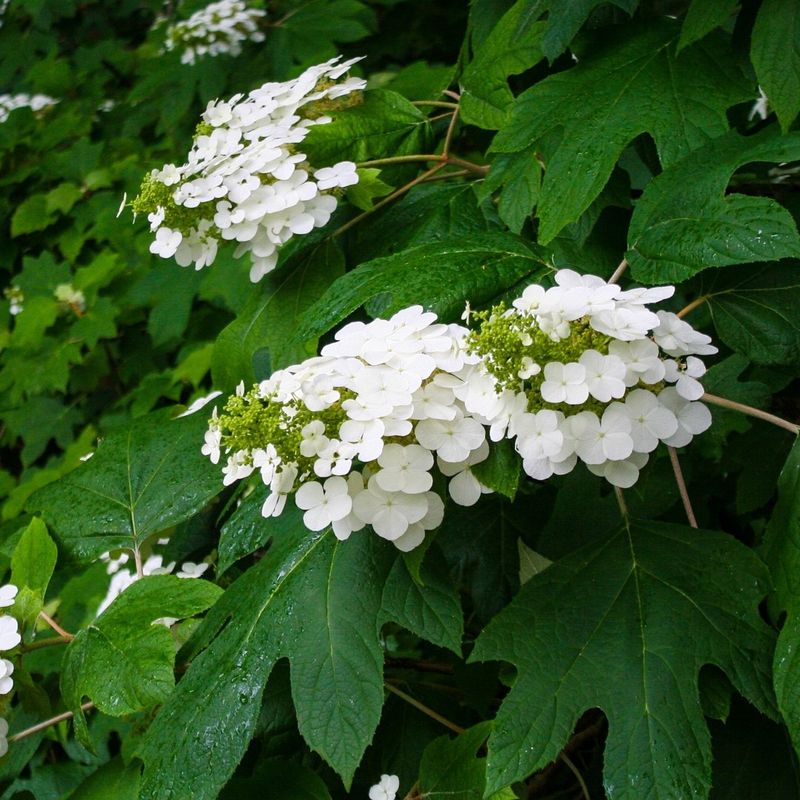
(478, 169)
(619, 271)
(447, 175)
(448, 137)
(423, 708)
(576, 772)
(386, 200)
(137, 557)
(421, 666)
(623, 506)
(40, 726)
(687, 503)
(436, 103)
(449, 93)
(693, 305)
(752, 412)
(55, 626)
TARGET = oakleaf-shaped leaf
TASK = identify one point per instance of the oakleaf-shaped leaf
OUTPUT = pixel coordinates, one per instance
(122, 661)
(625, 625)
(140, 481)
(514, 46)
(755, 310)
(310, 599)
(703, 16)
(439, 276)
(775, 52)
(684, 222)
(451, 767)
(631, 85)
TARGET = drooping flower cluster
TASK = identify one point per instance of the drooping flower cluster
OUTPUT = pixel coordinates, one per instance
(358, 432)
(11, 102)
(9, 639)
(218, 29)
(245, 179)
(586, 371)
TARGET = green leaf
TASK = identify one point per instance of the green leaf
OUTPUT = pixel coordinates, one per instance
(631, 85)
(755, 311)
(310, 599)
(385, 124)
(775, 53)
(279, 779)
(62, 198)
(140, 481)
(514, 45)
(518, 176)
(122, 661)
(31, 215)
(650, 605)
(428, 213)
(369, 186)
(564, 20)
(269, 319)
(114, 779)
(440, 276)
(431, 608)
(530, 562)
(451, 767)
(501, 470)
(703, 16)
(684, 222)
(32, 567)
(782, 554)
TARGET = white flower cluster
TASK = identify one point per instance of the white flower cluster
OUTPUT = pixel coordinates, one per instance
(357, 432)
(585, 371)
(245, 180)
(11, 102)
(122, 577)
(74, 298)
(218, 29)
(16, 299)
(385, 789)
(9, 639)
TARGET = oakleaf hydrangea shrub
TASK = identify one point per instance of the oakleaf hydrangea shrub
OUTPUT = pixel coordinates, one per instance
(218, 29)
(245, 179)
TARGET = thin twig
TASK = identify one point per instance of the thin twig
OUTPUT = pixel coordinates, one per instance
(40, 726)
(412, 792)
(447, 175)
(752, 412)
(386, 200)
(455, 95)
(693, 305)
(437, 103)
(51, 641)
(448, 137)
(576, 772)
(55, 626)
(423, 708)
(687, 503)
(619, 271)
(479, 169)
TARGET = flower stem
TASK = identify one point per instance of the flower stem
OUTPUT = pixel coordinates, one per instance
(684, 493)
(478, 169)
(423, 708)
(40, 726)
(693, 305)
(55, 626)
(750, 411)
(388, 199)
(623, 506)
(436, 103)
(619, 271)
(137, 557)
(448, 137)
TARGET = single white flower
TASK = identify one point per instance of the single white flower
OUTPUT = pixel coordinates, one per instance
(389, 513)
(386, 789)
(452, 439)
(405, 469)
(191, 570)
(8, 594)
(9, 633)
(6, 681)
(324, 504)
(564, 383)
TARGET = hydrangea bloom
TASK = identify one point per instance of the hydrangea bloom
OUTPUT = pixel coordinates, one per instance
(245, 179)
(585, 371)
(11, 102)
(218, 29)
(357, 433)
